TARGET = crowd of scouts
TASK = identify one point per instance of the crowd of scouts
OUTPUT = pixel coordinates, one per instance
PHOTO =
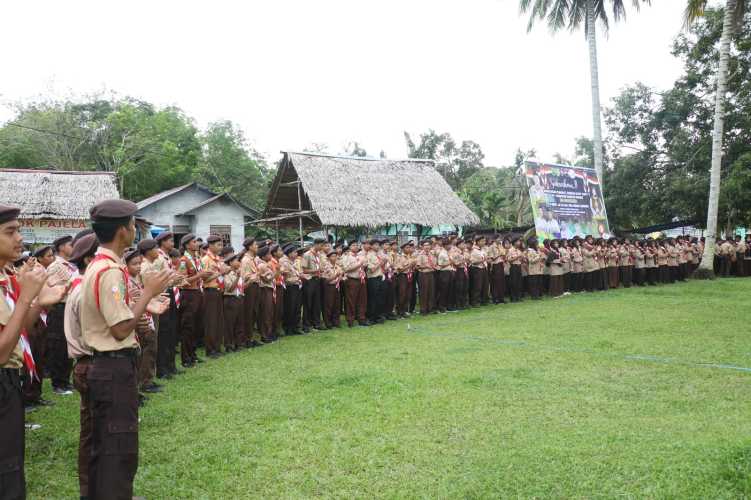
(114, 316)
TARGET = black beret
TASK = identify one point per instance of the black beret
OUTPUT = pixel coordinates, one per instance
(374, 241)
(226, 251)
(273, 248)
(318, 241)
(479, 237)
(248, 242)
(205, 246)
(174, 253)
(42, 250)
(213, 238)
(146, 245)
(410, 243)
(263, 251)
(289, 249)
(62, 240)
(330, 253)
(130, 254)
(163, 236)
(8, 213)
(187, 239)
(81, 234)
(109, 210)
(229, 258)
(84, 247)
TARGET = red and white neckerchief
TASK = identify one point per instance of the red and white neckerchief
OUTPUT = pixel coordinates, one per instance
(197, 267)
(175, 290)
(361, 271)
(239, 287)
(12, 293)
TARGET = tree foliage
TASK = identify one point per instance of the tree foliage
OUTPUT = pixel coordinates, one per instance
(150, 149)
(455, 162)
(661, 143)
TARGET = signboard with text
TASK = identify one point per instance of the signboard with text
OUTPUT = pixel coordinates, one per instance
(566, 201)
(47, 230)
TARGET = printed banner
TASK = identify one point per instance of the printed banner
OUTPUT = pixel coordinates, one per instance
(48, 230)
(566, 201)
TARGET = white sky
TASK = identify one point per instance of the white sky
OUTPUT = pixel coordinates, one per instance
(294, 72)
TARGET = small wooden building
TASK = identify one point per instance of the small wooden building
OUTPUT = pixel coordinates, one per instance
(54, 203)
(194, 208)
(313, 190)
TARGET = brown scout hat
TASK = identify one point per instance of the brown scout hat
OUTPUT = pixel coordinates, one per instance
(408, 244)
(213, 238)
(248, 242)
(187, 239)
(146, 245)
(8, 213)
(42, 250)
(62, 240)
(81, 234)
(232, 256)
(226, 251)
(112, 210)
(130, 254)
(163, 236)
(263, 251)
(85, 246)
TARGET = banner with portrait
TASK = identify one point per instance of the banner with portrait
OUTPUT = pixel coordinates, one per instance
(566, 201)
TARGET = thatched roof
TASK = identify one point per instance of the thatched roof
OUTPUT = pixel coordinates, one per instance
(350, 191)
(56, 194)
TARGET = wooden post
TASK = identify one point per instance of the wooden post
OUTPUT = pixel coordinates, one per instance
(299, 209)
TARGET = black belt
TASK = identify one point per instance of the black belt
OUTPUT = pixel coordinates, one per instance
(12, 375)
(129, 353)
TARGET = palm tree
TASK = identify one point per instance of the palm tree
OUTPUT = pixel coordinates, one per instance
(570, 14)
(734, 10)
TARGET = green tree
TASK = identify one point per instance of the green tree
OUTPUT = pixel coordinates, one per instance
(230, 165)
(733, 15)
(456, 163)
(570, 14)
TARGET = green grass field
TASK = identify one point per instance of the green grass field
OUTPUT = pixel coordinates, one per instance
(640, 393)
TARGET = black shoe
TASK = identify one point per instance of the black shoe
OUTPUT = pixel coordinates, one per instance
(190, 364)
(198, 360)
(214, 355)
(306, 330)
(43, 402)
(165, 376)
(323, 328)
(151, 389)
(29, 408)
(380, 321)
(175, 372)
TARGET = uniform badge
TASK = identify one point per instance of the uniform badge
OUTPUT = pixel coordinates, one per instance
(118, 292)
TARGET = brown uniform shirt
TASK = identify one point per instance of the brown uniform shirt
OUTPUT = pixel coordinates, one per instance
(72, 326)
(311, 265)
(290, 271)
(61, 271)
(189, 267)
(425, 262)
(233, 284)
(96, 321)
(212, 264)
(16, 355)
(536, 261)
(478, 258)
(375, 264)
(351, 264)
(443, 261)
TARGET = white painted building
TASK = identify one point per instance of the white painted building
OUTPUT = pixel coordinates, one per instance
(194, 208)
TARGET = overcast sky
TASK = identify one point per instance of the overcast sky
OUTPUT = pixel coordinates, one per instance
(295, 72)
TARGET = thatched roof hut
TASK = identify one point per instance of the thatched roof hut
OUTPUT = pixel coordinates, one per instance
(56, 194)
(352, 191)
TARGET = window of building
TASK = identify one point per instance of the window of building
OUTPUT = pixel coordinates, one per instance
(224, 231)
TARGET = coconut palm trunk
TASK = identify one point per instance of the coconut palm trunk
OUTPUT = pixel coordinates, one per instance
(706, 268)
(595, 83)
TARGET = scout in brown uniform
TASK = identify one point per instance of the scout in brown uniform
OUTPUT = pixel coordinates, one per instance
(147, 262)
(213, 287)
(672, 260)
(167, 322)
(536, 261)
(478, 273)
(279, 286)
(355, 288)
(555, 260)
(404, 266)
(108, 324)
(388, 254)
(445, 269)
(332, 278)
(311, 288)
(662, 262)
(266, 286)
(289, 266)
(425, 266)
(17, 314)
(56, 352)
(191, 300)
(83, 253)
(740, 253)
(626, 261)
(249, 272)
(374, 270)
(234, 298)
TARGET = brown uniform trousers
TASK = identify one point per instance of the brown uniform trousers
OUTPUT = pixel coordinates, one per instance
(311, 290)
(613, 276)
(81, 383)
(292, 308)
(213, 320)
(12, 439)
(497, 283)
(390, 297)
(627, 276)
(189, 318)
(404, 293)
(426, 292)
(58, 364)
(460, 295)
(266, 313)
(167, 345)
(356, 300)
(278, 309)
(556, 285)
(252, 326)
(114, 411)
(331, 305)
(233, 322)
(147, 359)
(445, 285)
(479, 279)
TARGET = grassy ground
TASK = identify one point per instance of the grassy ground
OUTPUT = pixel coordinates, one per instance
(631, 393)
